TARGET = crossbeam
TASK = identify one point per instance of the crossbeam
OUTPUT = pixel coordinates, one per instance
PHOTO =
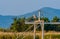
(44, 23)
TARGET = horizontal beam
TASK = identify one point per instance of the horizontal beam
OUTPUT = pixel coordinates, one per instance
(44, 23)
(52, 23)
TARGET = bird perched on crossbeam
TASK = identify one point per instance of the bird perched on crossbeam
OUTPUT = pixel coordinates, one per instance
(34, 16)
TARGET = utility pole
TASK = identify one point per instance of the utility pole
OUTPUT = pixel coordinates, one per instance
(39, 16)
(42, 28)
(34, 30)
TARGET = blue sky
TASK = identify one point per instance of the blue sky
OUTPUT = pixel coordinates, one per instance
(20, 7)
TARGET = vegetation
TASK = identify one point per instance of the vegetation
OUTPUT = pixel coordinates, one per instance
(29, 37)
(19, 25)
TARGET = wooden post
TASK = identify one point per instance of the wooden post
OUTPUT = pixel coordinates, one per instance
(42, 27)
(50, 35)
(34, 30)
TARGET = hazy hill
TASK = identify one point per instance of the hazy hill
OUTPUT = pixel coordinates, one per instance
(46, 11)
(5, 21)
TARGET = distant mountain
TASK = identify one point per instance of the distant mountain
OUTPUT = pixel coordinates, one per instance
(46, 12)
(5, 21)
(50, 12)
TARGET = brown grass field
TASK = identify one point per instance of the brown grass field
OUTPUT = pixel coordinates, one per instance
(29, 33)
(50, 33)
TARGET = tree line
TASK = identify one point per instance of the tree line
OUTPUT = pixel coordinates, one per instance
(19, 25)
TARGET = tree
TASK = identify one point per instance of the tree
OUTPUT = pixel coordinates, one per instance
(55, 19)
(45, 19)
(56, 27)
(19, 25)
(14, 25)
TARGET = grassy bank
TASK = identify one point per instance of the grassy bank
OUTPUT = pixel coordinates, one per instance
(28, 37)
